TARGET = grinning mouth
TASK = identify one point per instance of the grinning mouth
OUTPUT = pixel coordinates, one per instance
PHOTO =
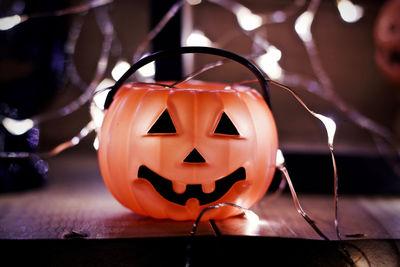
(164, 186)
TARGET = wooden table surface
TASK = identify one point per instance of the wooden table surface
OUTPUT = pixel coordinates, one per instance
(76, 204)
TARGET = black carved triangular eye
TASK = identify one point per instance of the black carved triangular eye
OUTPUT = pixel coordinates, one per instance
(226, 126)
(163, 124)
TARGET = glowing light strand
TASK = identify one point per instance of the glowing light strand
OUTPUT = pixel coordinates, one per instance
(140, 51)
(202, 70)
(70, 46)
(85, 131)
(303, 29)
(15, 20)
(383, 138)
(325, 88)
(247, 212)
(327, 92)
(107, 29)
(274, 17)
(300, 210)
(249, 215)
(74, 35)
(348, 11)
(297, 204)
(330, 127)
(260, 43)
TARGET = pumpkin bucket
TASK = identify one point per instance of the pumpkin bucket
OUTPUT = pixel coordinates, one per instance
(171, 151)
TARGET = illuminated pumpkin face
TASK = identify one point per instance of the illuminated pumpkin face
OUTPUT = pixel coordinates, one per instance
(387, 40)
(171, 152)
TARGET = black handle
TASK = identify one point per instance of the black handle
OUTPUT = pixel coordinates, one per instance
(188, 50)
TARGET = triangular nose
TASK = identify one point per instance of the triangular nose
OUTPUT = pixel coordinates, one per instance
(194, 157)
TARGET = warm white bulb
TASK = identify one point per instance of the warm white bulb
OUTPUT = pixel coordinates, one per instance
(96, 143)
(84, 131)
(17, 127)
(252, 225)
(252, 216)
(278, 16)
(100, 94)
(198, 38)
(303, 26)
(148, 70)
(193, 2)
(99, 98)
(97, 116)
(248, 20)
(274, 53)
(269, 63)
(280, 159)
(7, 23)
(349, 12)
(75, 140)
(271, 68)
(330, 127)
(120, 68)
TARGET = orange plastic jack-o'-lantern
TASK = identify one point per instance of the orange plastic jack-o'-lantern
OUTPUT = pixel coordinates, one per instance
(170, 152)
(387, 40)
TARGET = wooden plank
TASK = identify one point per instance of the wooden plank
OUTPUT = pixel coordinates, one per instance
(359, 217)
(386, 213)
(74, 204)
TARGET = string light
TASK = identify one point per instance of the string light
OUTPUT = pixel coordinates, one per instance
(74, 141)
(349, 12)
(140, 51)
(85, 131)
(247, 19)
(106, 27)
(252, 217)
(7, 23)
(148, 70)
(97, 103)
(17, 127)
(330, 127)
(280, 160)
(303, 26)
(96, 143)
(193, 2)
(105, 83)
(120, 68)
(278, 16)
(198, 38)
(269, 63)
